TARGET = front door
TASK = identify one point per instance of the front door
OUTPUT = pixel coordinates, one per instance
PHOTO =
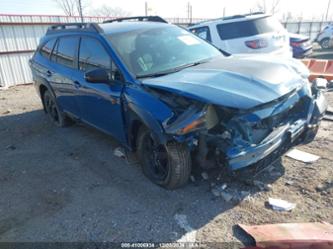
(100, 103)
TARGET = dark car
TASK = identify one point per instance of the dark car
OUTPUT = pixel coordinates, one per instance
(173, 98)
(301, 45)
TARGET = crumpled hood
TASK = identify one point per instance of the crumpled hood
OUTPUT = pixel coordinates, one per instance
(240, 81)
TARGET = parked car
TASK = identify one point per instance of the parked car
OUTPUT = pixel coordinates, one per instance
(301, 45)
(324, 38)
(249, 33)
(173, 98)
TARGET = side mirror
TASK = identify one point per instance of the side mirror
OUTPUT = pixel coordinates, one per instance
(97, 76)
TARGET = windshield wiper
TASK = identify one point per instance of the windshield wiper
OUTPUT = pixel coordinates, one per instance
(173, 70)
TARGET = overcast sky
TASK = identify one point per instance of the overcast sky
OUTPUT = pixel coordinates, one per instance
(175, 8)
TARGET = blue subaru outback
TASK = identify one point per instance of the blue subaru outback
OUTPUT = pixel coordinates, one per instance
(173, 98)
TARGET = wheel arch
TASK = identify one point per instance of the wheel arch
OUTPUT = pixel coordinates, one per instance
(138, 118)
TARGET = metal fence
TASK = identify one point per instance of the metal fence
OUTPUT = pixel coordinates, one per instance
(20, 34)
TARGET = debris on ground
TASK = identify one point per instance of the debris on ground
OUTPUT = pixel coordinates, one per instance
(192, 178)
(219, 191)
(281, 205)
(216, 192)
(262, 186)
(182, 222)
(10, 147)
(204, 176)
(289, 183)
(292, 235)
(324, 187)
(119, 152)
(321, 83)
(226, 196)
(302, 156)
(6, 112)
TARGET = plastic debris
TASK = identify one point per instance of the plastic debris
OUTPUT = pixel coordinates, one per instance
(192, 178)
(119, 152)
(226, 196)
(302, 156)
(204, 176)
(190, 235)
(216, 192)
(281, 205)
(321, 83)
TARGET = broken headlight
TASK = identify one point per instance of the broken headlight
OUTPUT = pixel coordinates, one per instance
(193, 119)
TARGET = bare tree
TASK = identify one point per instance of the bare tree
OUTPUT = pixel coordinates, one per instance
(72, 7)
(69, 7)
(107, 11)
(272, 7)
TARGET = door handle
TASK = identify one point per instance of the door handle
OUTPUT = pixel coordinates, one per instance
(77, 84)
(48, 73)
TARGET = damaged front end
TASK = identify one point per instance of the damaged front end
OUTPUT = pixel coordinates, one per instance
(235, 138)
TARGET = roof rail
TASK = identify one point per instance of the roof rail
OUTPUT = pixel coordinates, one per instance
(228, 18)
(89, 27)
(138, 18)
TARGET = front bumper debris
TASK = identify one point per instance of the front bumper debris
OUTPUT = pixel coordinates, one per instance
(281, 139)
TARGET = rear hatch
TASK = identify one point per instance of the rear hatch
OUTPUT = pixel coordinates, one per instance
(255, 35)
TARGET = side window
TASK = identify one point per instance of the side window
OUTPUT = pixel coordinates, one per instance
(65, 51)
(203, 32)
(47, 48)
(92, 55)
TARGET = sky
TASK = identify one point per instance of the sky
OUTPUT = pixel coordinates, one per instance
(308, 9)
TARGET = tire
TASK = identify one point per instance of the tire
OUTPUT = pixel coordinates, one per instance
(53, 112)
(325, 43)
(168, 166)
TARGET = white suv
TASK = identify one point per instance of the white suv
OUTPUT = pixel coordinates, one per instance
(249, 33)
(324, 38)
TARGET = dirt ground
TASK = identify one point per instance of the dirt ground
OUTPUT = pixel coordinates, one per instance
(65, 184)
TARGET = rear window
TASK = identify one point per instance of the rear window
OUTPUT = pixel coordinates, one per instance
(47, 48)
(248, 28)
(202, 32)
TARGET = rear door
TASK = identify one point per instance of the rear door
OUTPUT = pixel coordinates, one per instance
(64, 66)
(100, 103)
(261, 35)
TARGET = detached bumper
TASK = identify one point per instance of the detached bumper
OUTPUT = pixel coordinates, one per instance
(281, 139)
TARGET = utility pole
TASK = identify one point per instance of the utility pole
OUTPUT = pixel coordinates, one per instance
(146, 9)
(80, 10)
(189, 11)
(328, 8)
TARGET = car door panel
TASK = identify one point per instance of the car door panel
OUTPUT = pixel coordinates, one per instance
(100, 103)
(60, 76)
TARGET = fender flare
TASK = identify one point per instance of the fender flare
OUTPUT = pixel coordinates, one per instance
(147, 119)
(46, 84)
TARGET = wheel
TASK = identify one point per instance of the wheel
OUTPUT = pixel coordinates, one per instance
(167, 165)
(325, 43)
(52, 110)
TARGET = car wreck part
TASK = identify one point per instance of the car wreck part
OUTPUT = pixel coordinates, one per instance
(292, 235)
(239, 138)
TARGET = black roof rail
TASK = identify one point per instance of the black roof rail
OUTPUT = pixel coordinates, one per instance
(255, 13)
(89, 27)
(138, 18)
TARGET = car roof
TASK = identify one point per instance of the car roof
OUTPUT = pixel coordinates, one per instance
(230, 19)
(127, 26)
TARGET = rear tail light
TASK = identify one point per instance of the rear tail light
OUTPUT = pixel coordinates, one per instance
(255, 44)
(296, 44)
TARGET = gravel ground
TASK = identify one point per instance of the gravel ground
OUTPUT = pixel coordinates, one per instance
(65, 184)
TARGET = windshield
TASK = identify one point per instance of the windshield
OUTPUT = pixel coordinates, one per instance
(152, 51)
(247, 28)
